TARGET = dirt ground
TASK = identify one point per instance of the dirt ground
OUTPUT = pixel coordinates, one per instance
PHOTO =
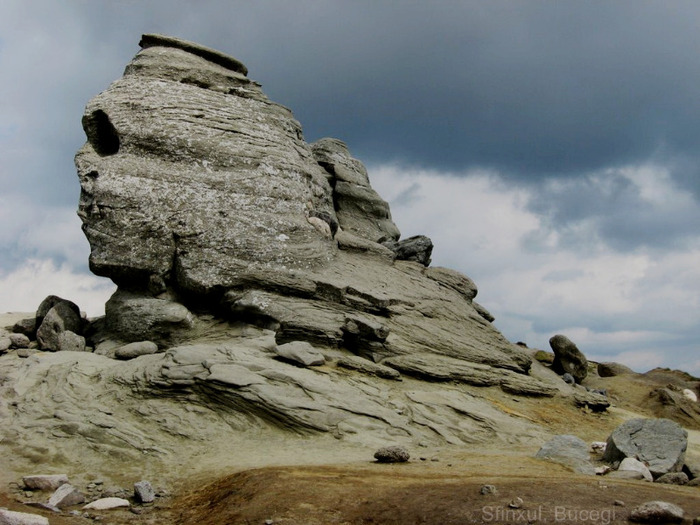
(446, 491)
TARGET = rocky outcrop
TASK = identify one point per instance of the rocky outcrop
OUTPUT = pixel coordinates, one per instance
(659, 443)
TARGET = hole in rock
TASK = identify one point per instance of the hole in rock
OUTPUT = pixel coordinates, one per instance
(101, 133)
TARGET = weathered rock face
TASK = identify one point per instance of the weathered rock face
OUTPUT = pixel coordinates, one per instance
(198, 193)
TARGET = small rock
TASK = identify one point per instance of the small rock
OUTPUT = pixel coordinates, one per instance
(516, 503)
(657, 512)
(19, 341)
(107, 504)
(619, 503)
(42, 506)
(598, 446)
(8, 517)
(602, 470)
(26, 352)
(673, 478)
(633, 465)
(568, 379)
(44, 481)
(300, 352)
(488, 489)
(65, 496)
(394, 454)
(5, 344)
(143, 492)
(137, 349)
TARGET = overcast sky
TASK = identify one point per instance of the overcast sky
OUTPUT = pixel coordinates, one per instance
(551, 149)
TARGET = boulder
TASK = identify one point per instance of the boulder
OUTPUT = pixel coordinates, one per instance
(26, 327)
(659, 443)
(107, 504)
(66, 496)
(5, 343)
(657, 512)
(48, 303)
(634, 465)
(690, 395)
(418, 249)
(143, 492)
(133, 317)
(568, 358)
(300, 352)
(673, 478)
(69, 341)
(613, 369)
(59, 318)
(19, 341)
(393, 454)
(132, 350)
(9, 517)
(44, 481)
(568, 450)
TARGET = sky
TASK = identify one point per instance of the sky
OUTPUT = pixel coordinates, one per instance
(550, 149)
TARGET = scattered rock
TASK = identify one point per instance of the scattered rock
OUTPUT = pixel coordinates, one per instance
(44, 481)
(60, 318)
(8, 517)
(657, 512)
(393, 454)
(598, 447)
(107, 504)
(132, 350)
(143, 492)
(690, 395)
(418, 249)
(619, 503)
(673, 478)
(568, 358)
(634, 465)
(516, 503)
(613, 369)
(70, 342)
(602, 470)
(300, 352)
(568, 450)
(66, 496)
(568, 379)
(19, 341)
(488, 490)
(26, 327)
(659, 443)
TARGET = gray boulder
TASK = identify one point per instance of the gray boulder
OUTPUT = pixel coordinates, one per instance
(634, 465)
(568, 358)
(393, 454)
(659, 443)
(133, 317)
(143, 492)
(69, 341)
(136, 349)
(613, 369)
(568, 450)
(673, 478)
(9, 517)
(418, 249)
(5, 343)
(59, 318)
(19, 341)
(26, 327)
(107, 504)
(66, 496)
(48, 303)
(44, 481)
(657, 512)
(300, 352)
